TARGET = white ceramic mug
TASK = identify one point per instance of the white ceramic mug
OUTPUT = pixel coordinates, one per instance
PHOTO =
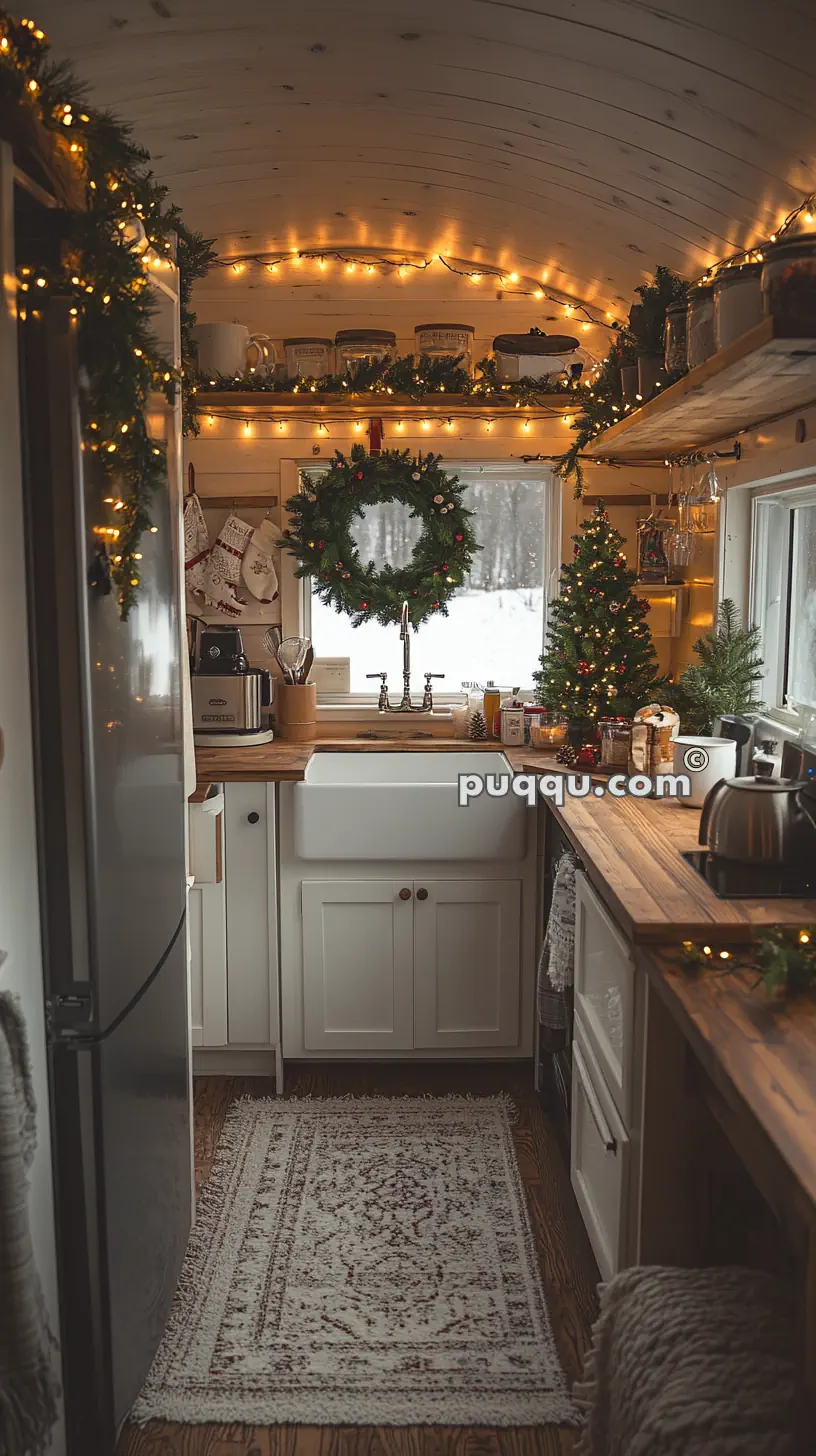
(230, 349)
(705, 761)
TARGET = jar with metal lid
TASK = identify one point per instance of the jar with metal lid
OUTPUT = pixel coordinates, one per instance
(358, 347)
(700, 325)
(446, 341)
(616, 742)
(737, 302)
(533, 356)
(675, 340)
(789, 282)
(311, 358)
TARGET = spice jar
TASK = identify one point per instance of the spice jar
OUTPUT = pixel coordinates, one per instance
(700, 325)
(359, 347)
(737, 302)
(445, 341)
(675, 340)
(789, 282)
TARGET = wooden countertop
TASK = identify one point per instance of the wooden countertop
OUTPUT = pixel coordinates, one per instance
(631, 849)
(280, 762)
(764, 1049)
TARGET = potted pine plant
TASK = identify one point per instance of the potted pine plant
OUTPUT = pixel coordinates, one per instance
(726, 677)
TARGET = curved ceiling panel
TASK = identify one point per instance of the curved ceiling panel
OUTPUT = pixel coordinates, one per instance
(581, 143)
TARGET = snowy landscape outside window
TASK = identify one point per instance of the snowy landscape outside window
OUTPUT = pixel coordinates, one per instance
(783, 562)
(496, 620)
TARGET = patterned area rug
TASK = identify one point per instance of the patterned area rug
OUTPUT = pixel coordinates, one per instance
(361, 1262)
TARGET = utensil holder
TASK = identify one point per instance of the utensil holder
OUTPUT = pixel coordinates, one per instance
(296, 710)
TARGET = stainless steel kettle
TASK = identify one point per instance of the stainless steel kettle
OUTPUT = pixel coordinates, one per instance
(760, 821)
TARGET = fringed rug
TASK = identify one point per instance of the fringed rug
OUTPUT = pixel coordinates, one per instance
(361, 1262)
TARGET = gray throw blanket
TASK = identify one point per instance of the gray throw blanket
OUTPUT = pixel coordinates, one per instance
(28, 1384)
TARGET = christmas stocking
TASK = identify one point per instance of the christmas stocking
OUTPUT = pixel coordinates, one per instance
(258, 566)
(223, 569)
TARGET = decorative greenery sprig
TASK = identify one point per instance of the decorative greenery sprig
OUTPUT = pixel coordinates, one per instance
(320, 535)
(109, 249)
(784, 958)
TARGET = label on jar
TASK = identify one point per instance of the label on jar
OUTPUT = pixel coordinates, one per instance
(512, 725)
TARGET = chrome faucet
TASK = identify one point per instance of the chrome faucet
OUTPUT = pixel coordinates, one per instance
(405, 705)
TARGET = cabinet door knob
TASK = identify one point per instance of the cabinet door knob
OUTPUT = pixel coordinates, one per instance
(422, 894)
(405, 894)
(253, 817)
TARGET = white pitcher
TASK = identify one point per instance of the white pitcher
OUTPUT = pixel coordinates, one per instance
(230, 349)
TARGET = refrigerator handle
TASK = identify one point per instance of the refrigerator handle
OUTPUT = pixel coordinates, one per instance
(58, 617)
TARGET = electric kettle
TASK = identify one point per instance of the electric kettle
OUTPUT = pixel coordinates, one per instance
(760, 820)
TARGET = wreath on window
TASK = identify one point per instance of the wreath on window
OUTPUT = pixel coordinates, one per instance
(320, 535)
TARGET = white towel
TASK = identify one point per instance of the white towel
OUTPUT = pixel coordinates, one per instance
(196, 545)
(558, 951)
(222, 572)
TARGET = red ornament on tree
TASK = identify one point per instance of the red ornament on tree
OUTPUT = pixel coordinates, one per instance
(460, 538)
(359, 474)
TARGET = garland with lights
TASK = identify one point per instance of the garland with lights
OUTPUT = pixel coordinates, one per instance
(320, 535)
(512, 284)
(108, 249)
(599, 656)
(785, 958)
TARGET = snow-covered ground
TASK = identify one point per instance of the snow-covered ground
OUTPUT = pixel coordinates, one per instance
(494, 635)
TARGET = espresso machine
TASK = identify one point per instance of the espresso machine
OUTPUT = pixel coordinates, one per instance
(228, 695)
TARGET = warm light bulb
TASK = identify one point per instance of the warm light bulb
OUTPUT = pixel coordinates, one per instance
(513, 277)
(32, 86)
(585, 327)
(475, 277)
(402, 272)
(804, 937)
(321, 263)
(400, 426)
(350, 267)
(538, 293)
(247, 427)
(210, 419)
(568, 310)
(370, 269)
(358, 425)
(426, 424)
(272, 268)
(808, 217)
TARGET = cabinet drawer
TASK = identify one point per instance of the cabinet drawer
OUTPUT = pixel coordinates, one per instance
(599, 1159)
(605, 993)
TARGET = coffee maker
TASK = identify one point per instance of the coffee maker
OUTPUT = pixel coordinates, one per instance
(228, 694)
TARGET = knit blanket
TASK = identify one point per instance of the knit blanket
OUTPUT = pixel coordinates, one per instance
(28, 1385)
(691, 1361)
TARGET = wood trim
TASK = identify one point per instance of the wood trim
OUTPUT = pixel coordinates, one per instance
(237, 502)
(359, 406)
(219, 848)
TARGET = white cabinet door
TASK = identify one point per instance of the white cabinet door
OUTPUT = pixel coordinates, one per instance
(358, 945)
(252, 943)
(467, 963)
(605, 993)
(599, 1159)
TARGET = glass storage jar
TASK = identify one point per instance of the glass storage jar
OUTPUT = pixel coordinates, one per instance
(700, 325)
(547, 730)
(616, 740)
(354, 348)
(789, 282)
(445, 341)
(737, 302)
(675, 341)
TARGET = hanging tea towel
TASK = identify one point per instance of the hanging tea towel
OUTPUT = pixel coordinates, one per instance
(196, 545)
(258, 567)
(223, 569)
(556, 963)
(28, 1384)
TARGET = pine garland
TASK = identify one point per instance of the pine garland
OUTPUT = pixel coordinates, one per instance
(107, 253)
(599, 656)
(784, 958)
(320, 535)
(413, 376)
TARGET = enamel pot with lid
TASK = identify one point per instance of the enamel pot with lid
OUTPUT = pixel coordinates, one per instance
(760, 821)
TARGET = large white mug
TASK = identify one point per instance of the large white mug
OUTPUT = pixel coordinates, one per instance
(705, 761)
(230, 349)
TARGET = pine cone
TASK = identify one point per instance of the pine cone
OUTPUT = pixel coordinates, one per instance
(478, 727)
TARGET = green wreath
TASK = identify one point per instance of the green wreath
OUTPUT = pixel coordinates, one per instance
(319, 535)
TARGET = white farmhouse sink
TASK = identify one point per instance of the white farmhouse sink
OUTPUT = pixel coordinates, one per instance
(404, 806)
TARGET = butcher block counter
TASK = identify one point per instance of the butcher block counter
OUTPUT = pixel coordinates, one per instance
(630, 848)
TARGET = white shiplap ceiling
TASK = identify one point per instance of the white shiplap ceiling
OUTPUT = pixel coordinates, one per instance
(584, 142)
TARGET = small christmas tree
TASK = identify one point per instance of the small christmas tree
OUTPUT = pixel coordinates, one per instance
(599, 658)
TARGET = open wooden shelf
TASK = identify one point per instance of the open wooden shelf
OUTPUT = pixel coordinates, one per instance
(375, 402)
(766, 372)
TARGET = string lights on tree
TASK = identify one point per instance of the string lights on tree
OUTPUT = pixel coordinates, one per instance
(124, 232)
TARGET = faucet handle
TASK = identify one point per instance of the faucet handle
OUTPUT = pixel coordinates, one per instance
(429, 675)
(383, 675)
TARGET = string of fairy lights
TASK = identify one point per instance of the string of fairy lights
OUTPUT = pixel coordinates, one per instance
(365, 265)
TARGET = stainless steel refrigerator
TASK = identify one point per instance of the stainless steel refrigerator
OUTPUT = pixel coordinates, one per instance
(111, 835)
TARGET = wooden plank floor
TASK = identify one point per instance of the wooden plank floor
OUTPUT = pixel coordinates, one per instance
(567, 1266)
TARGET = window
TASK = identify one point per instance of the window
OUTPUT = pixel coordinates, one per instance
(495, 625)
(783, 573)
